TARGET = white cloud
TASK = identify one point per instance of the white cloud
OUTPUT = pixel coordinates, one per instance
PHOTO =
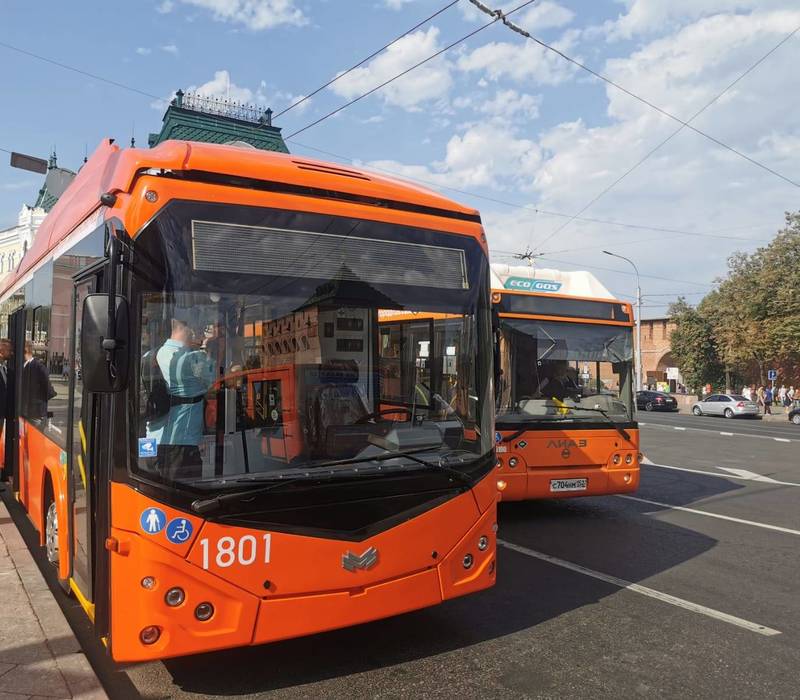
(165, 7)
(428, 83)
(510, 105)
(396, 4)
(222, 86)
(651, 16)
(142, 51)
(170, 48)
(484, 156)
(522, 61)
(254, 14)
(543, 15)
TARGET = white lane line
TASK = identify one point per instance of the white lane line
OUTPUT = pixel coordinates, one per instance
(709, 430)
(728, 434)
(734, 473)
(644, 590)
(669, 506)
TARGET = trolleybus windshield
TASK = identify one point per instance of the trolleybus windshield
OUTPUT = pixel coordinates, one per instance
(261, 355)
(563, 371)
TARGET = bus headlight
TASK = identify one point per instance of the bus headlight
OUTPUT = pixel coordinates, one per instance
(148, 583)
(150, 634)
(204, 611)
(467, 561)
(617, 459)
(483, 543)
(628, 458)
(513, 462)
(174, 597)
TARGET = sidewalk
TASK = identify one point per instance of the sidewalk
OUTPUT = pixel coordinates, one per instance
(39, 655)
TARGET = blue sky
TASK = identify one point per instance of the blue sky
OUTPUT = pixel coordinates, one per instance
(496, 117)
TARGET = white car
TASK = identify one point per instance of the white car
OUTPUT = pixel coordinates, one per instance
(728, 405)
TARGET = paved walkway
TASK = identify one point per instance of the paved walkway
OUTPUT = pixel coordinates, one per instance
(39, 655)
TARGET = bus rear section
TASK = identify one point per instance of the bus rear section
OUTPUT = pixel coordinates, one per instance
(238, 466)
(565, 422)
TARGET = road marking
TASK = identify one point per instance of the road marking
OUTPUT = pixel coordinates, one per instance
(644, 590)
(709, 430)
(728, 434)
(734, 473)
(752, 476)
(669, 506)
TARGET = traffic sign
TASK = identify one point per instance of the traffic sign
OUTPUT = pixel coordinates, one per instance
(772, 374)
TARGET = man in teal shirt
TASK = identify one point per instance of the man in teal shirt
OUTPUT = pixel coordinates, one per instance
(188, 373)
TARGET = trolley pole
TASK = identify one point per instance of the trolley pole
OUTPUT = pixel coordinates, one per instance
(639, 373)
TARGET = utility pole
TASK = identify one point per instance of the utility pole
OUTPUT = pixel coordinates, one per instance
(639, 376)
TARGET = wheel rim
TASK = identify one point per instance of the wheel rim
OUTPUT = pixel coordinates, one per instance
(728, 413)
(696, 411)
(796, 419)
(51, 534)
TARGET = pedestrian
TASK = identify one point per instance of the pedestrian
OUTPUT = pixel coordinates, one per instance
(5, 355)
(760, 398)
(782, 395)
(790, 396)
(768, 401)
(36, 387)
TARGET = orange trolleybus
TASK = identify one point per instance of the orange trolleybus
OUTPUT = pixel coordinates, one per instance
(206, 422)
(565, 412)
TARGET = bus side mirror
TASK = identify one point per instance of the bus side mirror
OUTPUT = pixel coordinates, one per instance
(104, 360)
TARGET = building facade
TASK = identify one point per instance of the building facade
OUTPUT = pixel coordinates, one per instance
(658, 365)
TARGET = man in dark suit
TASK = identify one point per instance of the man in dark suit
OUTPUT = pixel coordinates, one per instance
(36, 387)
(5, 354)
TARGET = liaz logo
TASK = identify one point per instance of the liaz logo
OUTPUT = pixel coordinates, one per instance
(565, 444)
(532, 285)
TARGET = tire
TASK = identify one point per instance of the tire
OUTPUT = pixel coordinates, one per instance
(648, 406)
(51, 538)
(728, 413)
(697, 411)
(796, 419)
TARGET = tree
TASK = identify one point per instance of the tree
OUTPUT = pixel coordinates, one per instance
(694, 346)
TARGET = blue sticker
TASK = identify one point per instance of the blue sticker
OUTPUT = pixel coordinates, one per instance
(148, 447)
(179, 530)
(152, 520)
(498, 437)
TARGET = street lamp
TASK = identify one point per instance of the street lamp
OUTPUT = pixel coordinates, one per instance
(638, 318)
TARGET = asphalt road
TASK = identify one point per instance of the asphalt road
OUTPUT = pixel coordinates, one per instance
(777, 427)
(687, 589)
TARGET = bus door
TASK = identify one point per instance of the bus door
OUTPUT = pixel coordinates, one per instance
(11, 457)
(81, 474)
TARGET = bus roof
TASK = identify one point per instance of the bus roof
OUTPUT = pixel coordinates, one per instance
(112, 169)
(547, 281)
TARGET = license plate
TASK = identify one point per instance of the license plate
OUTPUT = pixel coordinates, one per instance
(569, 484)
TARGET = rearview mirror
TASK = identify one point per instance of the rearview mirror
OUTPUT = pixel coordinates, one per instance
(104, 361)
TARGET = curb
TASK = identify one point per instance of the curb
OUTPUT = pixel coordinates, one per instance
(57, 637)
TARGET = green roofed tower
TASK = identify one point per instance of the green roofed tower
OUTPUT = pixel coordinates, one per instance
(192, 117)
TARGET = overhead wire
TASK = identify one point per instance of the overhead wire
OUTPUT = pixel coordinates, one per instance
(501, 16)
(406, 71)
(647, 155)
(343, 73)
(536, 210)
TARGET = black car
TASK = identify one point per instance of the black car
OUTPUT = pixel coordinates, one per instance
(794, 413)
(655, 401)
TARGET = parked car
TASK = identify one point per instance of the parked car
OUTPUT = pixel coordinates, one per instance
(655, 401)
(728, 405)
(794, 413)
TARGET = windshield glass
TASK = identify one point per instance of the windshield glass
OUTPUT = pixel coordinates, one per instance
(276, 342)
(559, 371)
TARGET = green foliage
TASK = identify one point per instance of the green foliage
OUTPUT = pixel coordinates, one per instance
(752, 320)
(694, 346)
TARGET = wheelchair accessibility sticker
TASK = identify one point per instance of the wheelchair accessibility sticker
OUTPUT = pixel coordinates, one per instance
(148, 447)
(179, 530)
(152, 520)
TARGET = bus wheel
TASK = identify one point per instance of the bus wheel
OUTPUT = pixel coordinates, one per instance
(51, 538)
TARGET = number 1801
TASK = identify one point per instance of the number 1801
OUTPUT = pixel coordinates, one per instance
(229, 551)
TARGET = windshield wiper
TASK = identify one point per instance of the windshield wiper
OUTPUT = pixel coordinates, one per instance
(440, 465)
(605, 415)
(206, 506)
